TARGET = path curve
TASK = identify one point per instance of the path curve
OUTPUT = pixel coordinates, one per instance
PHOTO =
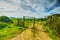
(28, 34)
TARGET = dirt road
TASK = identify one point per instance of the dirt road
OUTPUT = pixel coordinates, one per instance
(39, 34)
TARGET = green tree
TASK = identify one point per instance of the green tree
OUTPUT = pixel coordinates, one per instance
(4, 19)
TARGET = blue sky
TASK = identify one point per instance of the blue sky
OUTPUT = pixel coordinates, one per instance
(35, 8)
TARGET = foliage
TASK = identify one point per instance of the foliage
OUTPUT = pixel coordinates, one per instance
(52, 26)
(19, 22)
(11, 26)
(3, 25)
(4, 19)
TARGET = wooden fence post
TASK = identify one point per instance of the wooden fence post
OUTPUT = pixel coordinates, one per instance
(34, 22)
(23, 21)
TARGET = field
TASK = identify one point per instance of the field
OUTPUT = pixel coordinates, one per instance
(30, 27)
(10, 27)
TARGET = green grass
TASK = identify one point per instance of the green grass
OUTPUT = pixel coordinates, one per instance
(52, 33)
(9, 27)
(9, 31)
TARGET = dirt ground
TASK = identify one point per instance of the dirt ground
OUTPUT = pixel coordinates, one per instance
(38, 34)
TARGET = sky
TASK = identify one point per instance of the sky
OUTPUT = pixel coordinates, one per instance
(34, 8)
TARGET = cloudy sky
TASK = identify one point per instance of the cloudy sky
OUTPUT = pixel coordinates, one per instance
(35, 8)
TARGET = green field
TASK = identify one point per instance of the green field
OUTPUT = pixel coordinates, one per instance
(11, 26)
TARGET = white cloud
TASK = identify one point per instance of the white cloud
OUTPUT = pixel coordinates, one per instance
(7, 6)
(33, 8)
(16, 1)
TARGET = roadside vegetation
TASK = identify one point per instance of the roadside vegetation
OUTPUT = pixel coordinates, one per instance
(10, 26)
(51, 25)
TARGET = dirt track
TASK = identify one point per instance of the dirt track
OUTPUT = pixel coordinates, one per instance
(28, 34)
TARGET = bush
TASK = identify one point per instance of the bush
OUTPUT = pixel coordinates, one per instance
(2, 25)
(53, 26)
(4, 19)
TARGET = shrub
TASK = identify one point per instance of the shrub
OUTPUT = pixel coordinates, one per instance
(4, 19)
(3, 25)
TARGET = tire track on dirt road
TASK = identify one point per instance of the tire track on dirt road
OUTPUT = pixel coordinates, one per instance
(28, 34)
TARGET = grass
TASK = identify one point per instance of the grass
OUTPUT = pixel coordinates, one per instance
(8, 28)
(51, 32)
(9, 31)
